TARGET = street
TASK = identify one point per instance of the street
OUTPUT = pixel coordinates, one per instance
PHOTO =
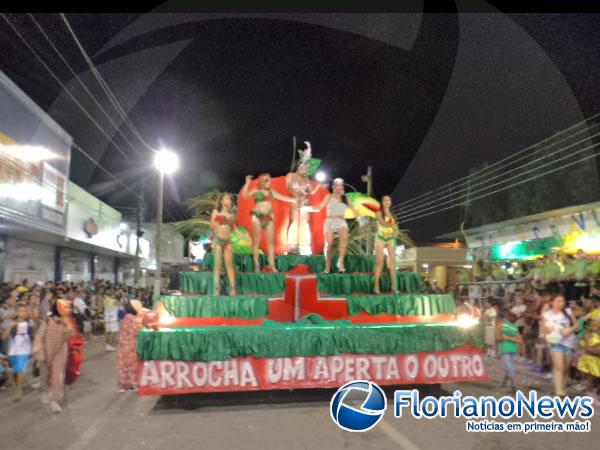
(97, 416)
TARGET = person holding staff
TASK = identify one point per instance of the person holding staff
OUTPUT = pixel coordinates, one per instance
(300, 187)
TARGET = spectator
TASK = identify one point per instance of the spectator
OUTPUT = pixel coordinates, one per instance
(560, 326)
(7, 313)
(50, 350)
(581, 272)
(20, 335)
(536, 274)
(81, 308)
(47, 302)
(79, 304)
(541, 347)
(111, 319)
(489, 316)
(519, 309)
(568, 277)
(4, 370)
(589, 362)
(127, 360)
(509, 341)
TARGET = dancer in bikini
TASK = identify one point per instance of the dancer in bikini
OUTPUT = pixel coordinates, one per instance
(385, 239)
(262, 216)
(222, 222)
(337, 204)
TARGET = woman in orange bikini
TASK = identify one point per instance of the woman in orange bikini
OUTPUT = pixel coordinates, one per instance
(262, 216)
(222, 222)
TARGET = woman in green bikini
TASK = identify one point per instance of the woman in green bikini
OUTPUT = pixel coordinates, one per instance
(385, 239)
(262, 216)
(222, 222)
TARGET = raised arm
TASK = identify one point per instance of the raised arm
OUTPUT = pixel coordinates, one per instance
(246, 191)
(324, 202)
(503, 337)
(8, 330)
(283, 198)
(547, 325)
(316, 189)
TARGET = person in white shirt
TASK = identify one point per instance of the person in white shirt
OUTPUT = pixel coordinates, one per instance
(82, 308)
(111, 319)
(560, 327)
(20, 334)
(489, 316)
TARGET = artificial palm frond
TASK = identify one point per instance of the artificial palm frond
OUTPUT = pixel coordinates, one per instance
(205, 203)
(201, 207)
(361, 238)
(195, 226)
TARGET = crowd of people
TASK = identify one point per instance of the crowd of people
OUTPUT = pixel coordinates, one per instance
(44, 325)
(573, 272)
(547, 320)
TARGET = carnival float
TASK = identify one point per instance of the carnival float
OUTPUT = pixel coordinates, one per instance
(275, 308)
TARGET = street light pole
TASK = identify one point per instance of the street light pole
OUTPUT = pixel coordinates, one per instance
(159, 214)
(368, 178)
(166, 162)
(138, 232)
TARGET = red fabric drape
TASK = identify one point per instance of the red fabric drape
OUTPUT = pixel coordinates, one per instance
(281, 211)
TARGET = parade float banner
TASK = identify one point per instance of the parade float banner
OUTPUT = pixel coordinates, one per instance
(252, 374)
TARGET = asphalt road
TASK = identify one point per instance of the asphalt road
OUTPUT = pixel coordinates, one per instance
(98, 417)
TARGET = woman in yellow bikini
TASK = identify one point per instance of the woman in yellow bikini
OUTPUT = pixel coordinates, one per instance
(589, 361)
(385, 239)
(222, 223)
(262, 216)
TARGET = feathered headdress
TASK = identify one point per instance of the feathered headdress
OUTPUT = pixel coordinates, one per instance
(307, 159)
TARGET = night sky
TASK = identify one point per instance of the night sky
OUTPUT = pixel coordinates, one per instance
(229, 94)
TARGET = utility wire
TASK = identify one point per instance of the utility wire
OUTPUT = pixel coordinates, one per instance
(76, 76)
(469, 187)
(104, 85)
(504, 188)
(24, 40)
(486, 170)
(52, 73)
(466, 197)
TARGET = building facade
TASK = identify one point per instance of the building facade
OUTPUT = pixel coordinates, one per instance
(50, 228)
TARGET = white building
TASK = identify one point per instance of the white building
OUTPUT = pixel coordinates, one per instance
(50, 228)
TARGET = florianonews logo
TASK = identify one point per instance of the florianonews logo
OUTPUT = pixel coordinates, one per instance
(358, 405)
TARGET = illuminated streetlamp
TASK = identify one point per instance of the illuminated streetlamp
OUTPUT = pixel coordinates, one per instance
(166, 162)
